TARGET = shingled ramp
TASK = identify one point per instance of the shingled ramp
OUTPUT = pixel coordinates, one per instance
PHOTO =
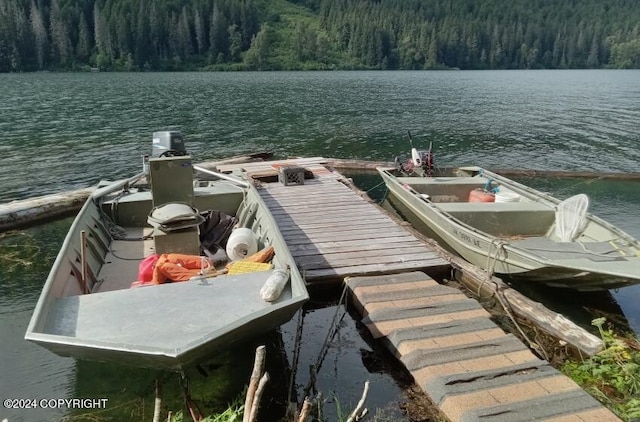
(462, 360)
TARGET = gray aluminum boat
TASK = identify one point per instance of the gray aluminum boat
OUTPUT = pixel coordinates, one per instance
(87, 309)
(522, 234)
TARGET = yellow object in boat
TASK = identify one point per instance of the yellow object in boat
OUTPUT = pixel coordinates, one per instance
(243, 267)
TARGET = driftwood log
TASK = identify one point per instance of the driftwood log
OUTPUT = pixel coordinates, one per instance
(17, 214)
(553, 323)
(33, 211)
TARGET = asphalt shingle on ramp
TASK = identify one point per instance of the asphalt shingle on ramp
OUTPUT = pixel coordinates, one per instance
(472, 369)
(572, 405)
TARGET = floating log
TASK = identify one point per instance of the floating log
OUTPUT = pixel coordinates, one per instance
(553, 323)
(18, 214)
(370, 166)
(32, 211)
(28, 212)
(341, 164)
(549, 174)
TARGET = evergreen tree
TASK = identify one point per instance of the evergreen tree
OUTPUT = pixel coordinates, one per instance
(40, 35)
(60, 36)
(257, 57)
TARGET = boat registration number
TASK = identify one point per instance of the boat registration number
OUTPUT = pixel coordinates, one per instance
(466, 238)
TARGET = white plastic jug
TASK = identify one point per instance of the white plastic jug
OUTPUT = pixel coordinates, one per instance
(241, 244)
(504, 195)
(275, 284)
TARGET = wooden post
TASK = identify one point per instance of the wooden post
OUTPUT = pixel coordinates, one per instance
(258, 367)
(306, 408)
(359, 410)
(158, 402)
(255, 405)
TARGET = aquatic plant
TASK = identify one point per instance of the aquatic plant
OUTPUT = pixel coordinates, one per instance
(17, 250)
(612, 375)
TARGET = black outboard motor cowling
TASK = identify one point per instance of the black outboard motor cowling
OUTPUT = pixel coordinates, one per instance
(168, 144)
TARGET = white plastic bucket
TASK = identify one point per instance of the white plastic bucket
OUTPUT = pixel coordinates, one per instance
(241, 244)
(507, 196)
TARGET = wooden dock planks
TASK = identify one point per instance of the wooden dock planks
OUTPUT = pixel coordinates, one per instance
(468, 366)
(333, 232)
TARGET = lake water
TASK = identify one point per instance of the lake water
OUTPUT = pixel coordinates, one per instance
(63, 131)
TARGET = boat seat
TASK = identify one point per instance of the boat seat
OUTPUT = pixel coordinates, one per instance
(484, 207)
(445, 189)
(442, 180)
(503, 219)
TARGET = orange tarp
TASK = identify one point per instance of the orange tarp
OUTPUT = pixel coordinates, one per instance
(178, 267)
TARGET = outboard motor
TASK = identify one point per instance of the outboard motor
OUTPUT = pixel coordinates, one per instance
(418, 157)
(420, 163)
(423, 159)
(168, 144)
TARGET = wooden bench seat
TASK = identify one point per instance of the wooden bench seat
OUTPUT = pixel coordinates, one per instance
(445, 189)
(495, 207)
(503, 218)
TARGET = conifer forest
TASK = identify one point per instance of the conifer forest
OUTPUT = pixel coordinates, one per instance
(166, 35)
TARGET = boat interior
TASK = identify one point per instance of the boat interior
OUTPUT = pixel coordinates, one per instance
(504, 219)
(118, 236)
(531, 221)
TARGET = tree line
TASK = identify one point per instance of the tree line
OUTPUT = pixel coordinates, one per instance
(38, 35)
(487, 34)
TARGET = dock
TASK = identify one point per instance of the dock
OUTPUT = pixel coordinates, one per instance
(468, 366)
(334, 233)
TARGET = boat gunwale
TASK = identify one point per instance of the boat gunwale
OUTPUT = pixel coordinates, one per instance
(43, 299)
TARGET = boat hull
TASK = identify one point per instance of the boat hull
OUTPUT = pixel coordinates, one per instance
(169, 326)
(503, 255)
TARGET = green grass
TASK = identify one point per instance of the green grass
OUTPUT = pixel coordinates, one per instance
(613, 375)
(233, 413)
